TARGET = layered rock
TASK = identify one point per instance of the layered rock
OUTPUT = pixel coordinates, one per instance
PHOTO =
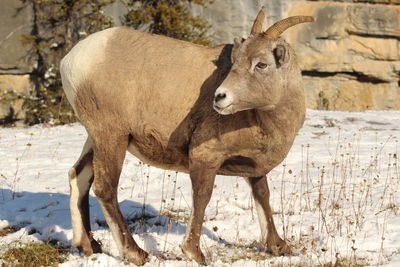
(15, 60)
(351, 55)
(16, 19)
(19, 85)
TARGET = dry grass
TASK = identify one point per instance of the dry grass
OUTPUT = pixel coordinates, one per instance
(32, 254)
(343, 192)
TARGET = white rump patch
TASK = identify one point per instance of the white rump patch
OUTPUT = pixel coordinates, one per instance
(76, 65)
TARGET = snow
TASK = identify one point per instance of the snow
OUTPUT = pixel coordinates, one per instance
(335, 198)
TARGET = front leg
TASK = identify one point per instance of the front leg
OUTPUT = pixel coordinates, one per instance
(269, 235)
(202, 186)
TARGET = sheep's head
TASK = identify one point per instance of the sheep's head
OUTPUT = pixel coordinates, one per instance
(261, 68)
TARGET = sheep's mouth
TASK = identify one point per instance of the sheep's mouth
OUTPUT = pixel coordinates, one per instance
(225, 110)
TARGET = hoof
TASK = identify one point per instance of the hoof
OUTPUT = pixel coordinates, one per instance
(138, 257)
(95, 246)
(88, 247)
(193, 253)
(280, 248)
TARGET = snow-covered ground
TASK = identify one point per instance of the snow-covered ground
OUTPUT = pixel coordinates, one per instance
(336, 197)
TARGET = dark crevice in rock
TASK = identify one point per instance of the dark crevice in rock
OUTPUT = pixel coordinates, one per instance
(12, 71)
(6, 69)
(356, 75)
(372, 35)
(398, 82)
(377, 2)
(326, 38)
(372, 2)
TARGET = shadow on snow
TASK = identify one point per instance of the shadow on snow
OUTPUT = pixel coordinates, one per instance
(47, 216)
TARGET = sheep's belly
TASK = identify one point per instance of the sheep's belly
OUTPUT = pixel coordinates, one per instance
(156, 162)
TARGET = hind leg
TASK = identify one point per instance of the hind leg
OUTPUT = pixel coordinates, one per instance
(109, 154)
(80, 181)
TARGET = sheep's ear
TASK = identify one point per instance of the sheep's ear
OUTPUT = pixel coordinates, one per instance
(281, 55)
(237, 41)
(259, 22)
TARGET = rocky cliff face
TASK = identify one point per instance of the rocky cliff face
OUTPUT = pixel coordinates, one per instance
(15, 64)
(350, 56)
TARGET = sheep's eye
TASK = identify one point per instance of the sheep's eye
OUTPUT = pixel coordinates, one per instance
(261, 65)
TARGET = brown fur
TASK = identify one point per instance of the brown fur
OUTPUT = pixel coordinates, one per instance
(154, 96)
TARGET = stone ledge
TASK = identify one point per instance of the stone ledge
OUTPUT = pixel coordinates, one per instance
(16, 19)
(20, 84)
(341, 93)
(385, 2)
(382, 2)
(327, 46)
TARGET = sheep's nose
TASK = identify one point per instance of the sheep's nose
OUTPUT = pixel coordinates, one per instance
(219, 97)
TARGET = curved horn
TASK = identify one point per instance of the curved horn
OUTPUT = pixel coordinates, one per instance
(278, 28)
(258, 22)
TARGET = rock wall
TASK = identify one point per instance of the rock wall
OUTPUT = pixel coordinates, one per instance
(351, 57)
(16, 19)
(20, 84)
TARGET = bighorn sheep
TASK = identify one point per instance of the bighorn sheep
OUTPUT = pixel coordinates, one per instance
(231, 109)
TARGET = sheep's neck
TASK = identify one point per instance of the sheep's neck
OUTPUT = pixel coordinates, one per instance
(286, 118)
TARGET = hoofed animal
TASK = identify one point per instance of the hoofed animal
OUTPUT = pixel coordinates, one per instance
(230, 109)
